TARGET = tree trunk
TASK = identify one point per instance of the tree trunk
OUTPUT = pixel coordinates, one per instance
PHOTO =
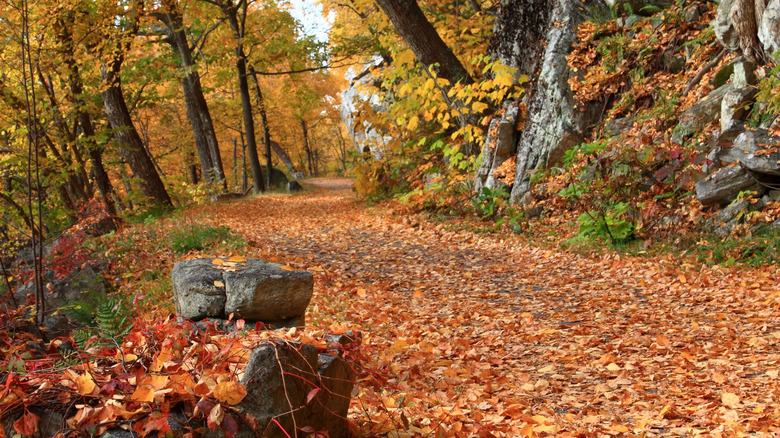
(266, 130)
(410, 23)
(746, 16)
(284, 158)
(130, 144)
(428, 47)
(231, 13)
(197, 108)
(306, 149)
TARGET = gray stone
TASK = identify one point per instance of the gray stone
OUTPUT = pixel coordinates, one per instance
(774, 195)
(744, 74)
(769, 29)
(613, 128)
(733, 111)
(722, 76)
(750, 149)
(701, 115)
(724, 185)
(673, 63)
(263, 292)
(499, 147)
(294, 186)
(691, 14)
(195, 293)
(725, 220)
(724, 28)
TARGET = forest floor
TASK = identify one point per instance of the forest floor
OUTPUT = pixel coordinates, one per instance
(486, 335)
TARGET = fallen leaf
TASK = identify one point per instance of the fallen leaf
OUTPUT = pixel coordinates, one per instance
(230, 392)
(85, 384)
(730, 399)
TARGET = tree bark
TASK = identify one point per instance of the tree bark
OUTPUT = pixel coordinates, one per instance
(94, 151)
(198, 112)
(130, 144)
(264, 121)
(420, 35)
(231, 13)
(306, 149)
(746, 16)
(282, 154)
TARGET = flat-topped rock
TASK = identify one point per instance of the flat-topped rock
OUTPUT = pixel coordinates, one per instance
(253, 290)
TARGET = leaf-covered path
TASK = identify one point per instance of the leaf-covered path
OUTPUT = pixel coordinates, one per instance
(481, 336)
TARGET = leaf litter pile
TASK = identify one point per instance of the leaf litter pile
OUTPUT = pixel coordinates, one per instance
(482, 336)
(463, 335)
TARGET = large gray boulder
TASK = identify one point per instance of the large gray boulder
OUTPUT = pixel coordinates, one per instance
(769, 29)
(723, 186)
(264, 292)
(500, 145)
(292, 385)
(278, 178)
(253, 290)
(756, 150)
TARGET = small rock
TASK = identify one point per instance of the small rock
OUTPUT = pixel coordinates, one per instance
(613, 128)
(725, 220)
(724, 185)
(294, 186)
(701, 115)
(750, 149)
(744, 74)
(691, 14)
(734, 109)
(774, 195)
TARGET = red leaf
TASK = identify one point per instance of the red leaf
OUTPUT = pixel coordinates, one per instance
(311, 395)
(27, 424)
(229, 426)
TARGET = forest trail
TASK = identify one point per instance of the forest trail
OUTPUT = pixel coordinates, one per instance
(484, 336)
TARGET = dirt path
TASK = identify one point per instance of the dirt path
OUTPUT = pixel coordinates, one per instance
(481, 336)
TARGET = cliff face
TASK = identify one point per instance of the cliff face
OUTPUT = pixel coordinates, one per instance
(536, 37)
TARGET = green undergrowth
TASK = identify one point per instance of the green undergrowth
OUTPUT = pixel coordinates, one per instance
(141, 255)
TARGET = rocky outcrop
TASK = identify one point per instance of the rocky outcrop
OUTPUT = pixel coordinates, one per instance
(252, 290)
(500, 146)
(756, 151)
(365, 137)
(769, 30)
(724, 28)
(554, 123)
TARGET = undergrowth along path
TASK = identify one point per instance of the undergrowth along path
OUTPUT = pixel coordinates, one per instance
(481, 335)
